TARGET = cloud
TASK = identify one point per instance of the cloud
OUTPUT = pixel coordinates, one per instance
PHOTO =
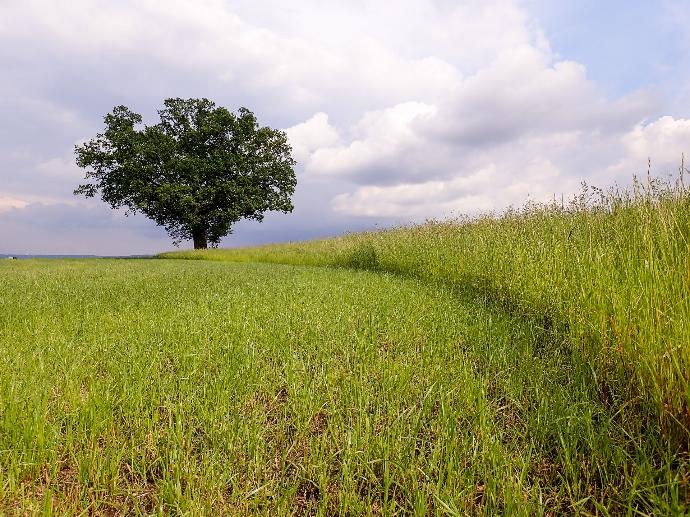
(312, 135)
(521, 123)
(665, 139)
(378, 142)
(87, 228)
(525, 92)
(479, 192)
(202, 43)
(662, 143)
(430, 109)
(7, 202)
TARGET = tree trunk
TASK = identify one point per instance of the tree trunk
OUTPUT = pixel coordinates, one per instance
(199, 236)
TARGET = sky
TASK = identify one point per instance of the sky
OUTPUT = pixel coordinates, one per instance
(397, 112)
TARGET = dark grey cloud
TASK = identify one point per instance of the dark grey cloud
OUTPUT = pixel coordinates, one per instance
(70, 229)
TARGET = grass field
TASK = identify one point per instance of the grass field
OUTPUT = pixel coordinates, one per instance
(530, 364)
(610, 272)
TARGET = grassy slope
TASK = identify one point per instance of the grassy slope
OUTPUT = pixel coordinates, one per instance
(608, 275)
(207, 387)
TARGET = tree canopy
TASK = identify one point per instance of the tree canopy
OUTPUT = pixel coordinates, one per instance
(198, 171)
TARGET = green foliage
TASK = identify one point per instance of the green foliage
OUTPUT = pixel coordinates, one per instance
(197, 172)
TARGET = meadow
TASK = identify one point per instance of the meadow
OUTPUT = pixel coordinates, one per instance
(532, 363)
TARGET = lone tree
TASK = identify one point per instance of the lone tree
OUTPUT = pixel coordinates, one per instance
(197, 172)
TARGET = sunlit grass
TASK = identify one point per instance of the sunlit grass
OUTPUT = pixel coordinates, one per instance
(174, 386)
(529, 364)
(609, 273)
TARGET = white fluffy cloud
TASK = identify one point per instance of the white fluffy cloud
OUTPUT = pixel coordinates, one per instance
(312, 135)
(377, 142)
(663, 139)
(522, 123)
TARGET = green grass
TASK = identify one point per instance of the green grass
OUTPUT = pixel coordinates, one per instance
(170, 386)
(529, 364)
(607, 274)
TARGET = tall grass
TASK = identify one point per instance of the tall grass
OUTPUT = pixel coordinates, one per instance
(532, 363)
(609, 271)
